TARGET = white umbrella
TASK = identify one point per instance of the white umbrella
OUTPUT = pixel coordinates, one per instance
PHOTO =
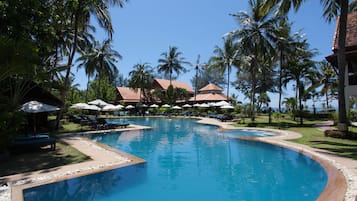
(80, 106)
(187, 105)
(176, 107)
(166, 105)
(98, 102)
(222, 103)
(227, 107)
(212, 104)
(196, 105)
(109, 107)
(143, 105)
(129, 107)
(119, 107)
(92, 107)
(37, 107)
(205, 105)
(154, 106)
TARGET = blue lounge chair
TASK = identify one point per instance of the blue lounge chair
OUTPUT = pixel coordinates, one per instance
(34, 142)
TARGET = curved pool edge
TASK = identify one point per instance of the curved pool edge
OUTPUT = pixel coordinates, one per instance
(341, 184)
(19, 182)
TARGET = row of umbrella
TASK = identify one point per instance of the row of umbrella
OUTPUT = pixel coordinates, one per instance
(100, 105)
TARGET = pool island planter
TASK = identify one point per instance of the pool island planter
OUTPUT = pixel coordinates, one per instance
(335, 188)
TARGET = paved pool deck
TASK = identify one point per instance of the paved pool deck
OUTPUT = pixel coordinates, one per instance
(342, 172)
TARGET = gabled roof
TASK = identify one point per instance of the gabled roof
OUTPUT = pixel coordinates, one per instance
(164, 84)
(351, 35)
(208, 97)
(128, 94)
(210, 87)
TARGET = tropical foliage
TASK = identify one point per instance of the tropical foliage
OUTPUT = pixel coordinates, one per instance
(332, 10)
(172, 63)
(225, 58)
(141, 78)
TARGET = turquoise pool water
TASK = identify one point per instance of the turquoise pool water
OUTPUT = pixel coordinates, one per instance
(190, 161)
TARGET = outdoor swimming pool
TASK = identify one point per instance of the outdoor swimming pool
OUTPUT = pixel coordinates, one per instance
(191, 161)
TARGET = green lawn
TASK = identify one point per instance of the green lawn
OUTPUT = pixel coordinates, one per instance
(311, 136)
(315, 138)
(70, 127)
(42, 159)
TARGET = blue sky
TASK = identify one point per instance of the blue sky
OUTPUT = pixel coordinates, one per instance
(145, 29)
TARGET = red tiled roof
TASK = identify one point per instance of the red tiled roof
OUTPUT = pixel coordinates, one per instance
(209, 97)
(210, 87)
(351, 35)
(128, 94)
(164, 84)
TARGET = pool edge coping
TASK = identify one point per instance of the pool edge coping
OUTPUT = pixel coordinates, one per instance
(17, 186)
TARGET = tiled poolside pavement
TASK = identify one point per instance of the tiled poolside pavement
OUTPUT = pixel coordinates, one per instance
(105, 158)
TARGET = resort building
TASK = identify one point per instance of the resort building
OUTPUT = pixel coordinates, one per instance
(351, 56)
(209, 93)
(164, 85)
(128, 95)
(132, 96)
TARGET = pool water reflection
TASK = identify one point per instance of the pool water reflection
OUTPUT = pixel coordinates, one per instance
(190, 161)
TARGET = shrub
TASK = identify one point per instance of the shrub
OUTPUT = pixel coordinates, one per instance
(352, 115)
(340, 134)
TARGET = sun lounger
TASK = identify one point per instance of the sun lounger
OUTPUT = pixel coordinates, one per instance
(107, 125)
(34, 141)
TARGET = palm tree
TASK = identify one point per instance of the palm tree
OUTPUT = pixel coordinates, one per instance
(100, 59)
(284, 45)
(172, 62)
(332, 9)
(225, 58)
(255, 41)
(302, 71)
(79, 19)
(328, 80)
(141, 78)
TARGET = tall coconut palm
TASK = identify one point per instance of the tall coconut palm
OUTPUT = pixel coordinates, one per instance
(141, 77)
(254, 37)
(100, 59)
(225, 58)
(332, 9)
(172, 62)
(79, 18)
(284, 44)
(302, 71)
(328, 80)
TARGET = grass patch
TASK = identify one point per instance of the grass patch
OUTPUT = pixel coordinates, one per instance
(69, 127)
(315, 138)
(42, 159)
(310, 136)
(283, 123)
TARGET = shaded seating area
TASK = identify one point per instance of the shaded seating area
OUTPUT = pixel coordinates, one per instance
(30, 142)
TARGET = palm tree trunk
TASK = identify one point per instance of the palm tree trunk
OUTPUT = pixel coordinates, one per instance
(280, 79)
(87, 88)
(170, 76)
(253, 90)
(300, 101)
(63, 92)
(229, 72)
(341, 61)
(326, 99)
